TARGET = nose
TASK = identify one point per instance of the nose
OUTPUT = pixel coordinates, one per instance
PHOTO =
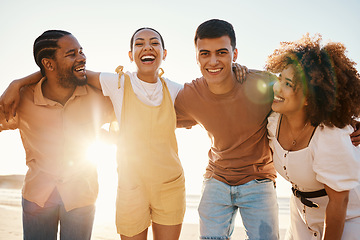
(276, 87)
(213, 60)
(147, 46)
(81, 57)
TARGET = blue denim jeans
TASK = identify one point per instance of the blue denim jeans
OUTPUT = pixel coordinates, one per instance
(257, 204)
(41, 223)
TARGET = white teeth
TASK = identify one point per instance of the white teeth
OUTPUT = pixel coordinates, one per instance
(278, 98)
(148, 58)
(78, 69)
(214, 70)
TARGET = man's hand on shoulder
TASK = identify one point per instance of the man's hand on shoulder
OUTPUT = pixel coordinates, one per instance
(240, 72)
(355, 136)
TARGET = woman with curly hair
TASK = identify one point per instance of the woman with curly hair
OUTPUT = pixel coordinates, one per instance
(316, 101)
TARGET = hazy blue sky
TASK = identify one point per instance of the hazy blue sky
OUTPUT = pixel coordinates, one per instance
(104, 29)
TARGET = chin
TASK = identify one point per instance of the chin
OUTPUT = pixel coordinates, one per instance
(81, 82)
(275, 109)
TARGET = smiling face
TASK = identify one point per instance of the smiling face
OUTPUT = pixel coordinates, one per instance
(147, 53)
(288, 94)
(70, 62)
(215, 57)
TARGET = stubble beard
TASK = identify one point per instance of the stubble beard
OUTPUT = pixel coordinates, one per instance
(69, 80)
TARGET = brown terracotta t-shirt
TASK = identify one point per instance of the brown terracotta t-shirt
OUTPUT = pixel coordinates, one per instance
(236, 124)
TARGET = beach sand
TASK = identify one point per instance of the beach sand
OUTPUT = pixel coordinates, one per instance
(11, 227)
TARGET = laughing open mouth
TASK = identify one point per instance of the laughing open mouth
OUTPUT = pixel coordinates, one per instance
(278, 99)
(147, 58)
(80, 69)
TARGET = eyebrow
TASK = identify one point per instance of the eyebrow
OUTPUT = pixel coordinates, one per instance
(203, 50)
(72, 50)
(150, 38)
(222, 49)
(289, 79)
(218, 50)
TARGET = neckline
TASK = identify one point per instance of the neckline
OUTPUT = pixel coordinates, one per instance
(278, 131)
(163, 86)
(223, 95)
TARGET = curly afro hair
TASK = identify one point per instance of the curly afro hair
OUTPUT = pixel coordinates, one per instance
(329, 79)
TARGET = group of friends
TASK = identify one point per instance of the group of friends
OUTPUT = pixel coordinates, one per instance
(298, 117)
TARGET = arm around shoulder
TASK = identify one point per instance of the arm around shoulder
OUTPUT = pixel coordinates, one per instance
(93, 79)
(10, 99)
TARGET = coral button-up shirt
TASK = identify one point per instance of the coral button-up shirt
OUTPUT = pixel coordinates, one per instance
(56, 138)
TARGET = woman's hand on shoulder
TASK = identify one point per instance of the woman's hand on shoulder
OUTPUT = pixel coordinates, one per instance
(10, 100)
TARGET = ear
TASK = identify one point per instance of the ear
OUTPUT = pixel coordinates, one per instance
(197, 55)
(165, 54)
(130, 56)
(235, 55)
(48, 64)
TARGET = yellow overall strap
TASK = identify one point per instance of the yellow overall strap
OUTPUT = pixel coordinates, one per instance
(119, 70)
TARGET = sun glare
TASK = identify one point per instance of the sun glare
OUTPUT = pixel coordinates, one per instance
(103, 155)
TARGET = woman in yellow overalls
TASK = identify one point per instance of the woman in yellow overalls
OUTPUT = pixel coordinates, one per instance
(151, 187)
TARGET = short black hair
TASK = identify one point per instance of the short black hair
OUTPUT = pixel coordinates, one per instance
(215, 28)
(46, 45)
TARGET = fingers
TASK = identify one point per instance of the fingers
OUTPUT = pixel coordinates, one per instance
(2, 115)
(355, 137)
(9, 111)
(13, 109)
(245, 70)
(355, 141)
(240, 72)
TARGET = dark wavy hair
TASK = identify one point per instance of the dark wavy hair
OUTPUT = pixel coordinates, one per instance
(329, 79)
(46, 45)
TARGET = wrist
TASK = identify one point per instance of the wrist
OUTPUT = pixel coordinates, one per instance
(18, 83)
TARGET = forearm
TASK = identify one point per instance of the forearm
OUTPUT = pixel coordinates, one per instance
(335, 215)
(10, 99)
(93, 79)
(28, 80)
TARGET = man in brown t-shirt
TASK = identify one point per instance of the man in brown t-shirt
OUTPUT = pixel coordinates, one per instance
(240, 174)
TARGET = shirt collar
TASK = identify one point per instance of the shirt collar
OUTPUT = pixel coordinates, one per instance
(39, 98)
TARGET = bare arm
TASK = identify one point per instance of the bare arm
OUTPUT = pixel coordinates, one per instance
(93, 79)
(335, 214)
(10, 99)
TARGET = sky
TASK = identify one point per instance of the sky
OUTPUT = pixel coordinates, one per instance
(104, 29)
